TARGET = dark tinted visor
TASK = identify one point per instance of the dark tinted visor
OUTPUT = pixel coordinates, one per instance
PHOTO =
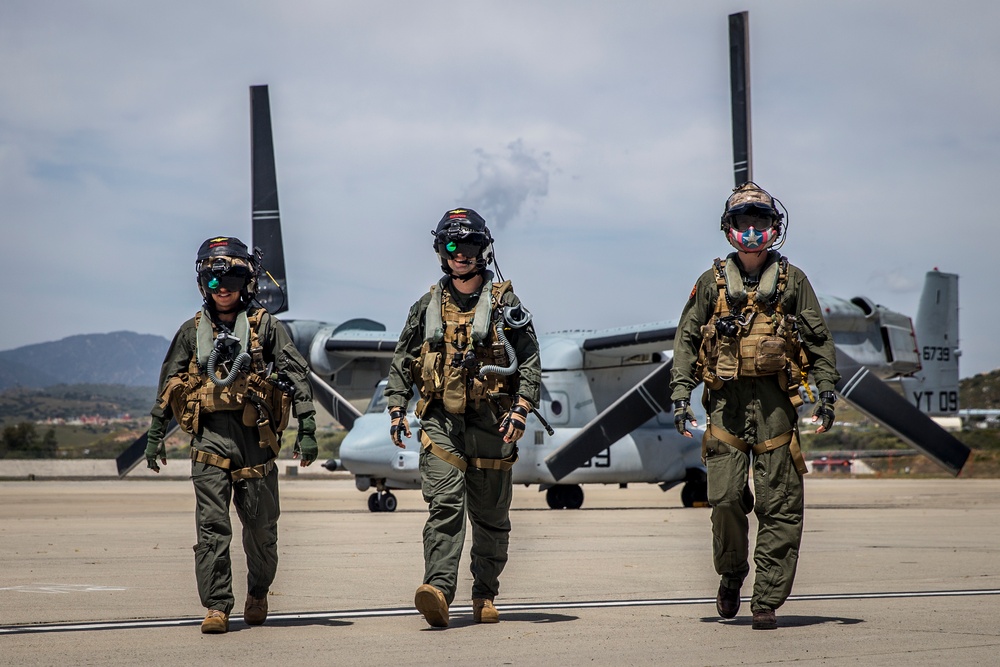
(745, 222)
(232, 281)
(757, 208)
(465, 249)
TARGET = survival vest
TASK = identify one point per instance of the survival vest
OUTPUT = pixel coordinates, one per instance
(749, 334)
(253, 390)
(456, 346)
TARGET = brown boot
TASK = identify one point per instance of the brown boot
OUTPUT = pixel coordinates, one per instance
(483, 611)
(764, 619)
(430, 602)
(255, 610)
(727, 601)
(216, 622)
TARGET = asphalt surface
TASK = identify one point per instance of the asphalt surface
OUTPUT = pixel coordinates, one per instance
(892, 572)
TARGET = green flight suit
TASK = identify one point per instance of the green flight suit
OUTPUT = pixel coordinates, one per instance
(754, 409)
(224, 435)
(449, 492)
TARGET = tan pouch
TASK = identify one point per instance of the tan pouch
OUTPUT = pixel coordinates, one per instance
(454, 390)
(769, 356)
(728, 366)
(431, 377)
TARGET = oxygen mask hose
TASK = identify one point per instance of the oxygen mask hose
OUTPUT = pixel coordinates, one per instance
(509, 349)
(223, 343)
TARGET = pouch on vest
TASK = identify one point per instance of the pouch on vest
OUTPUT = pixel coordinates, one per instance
(769, 357)
(728, 366)
(708, 354)
(183, 402)
(430, 374)
(454, 389)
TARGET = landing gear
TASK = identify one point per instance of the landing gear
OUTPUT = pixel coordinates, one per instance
(565, 496)
(694, 493)
(382, 501)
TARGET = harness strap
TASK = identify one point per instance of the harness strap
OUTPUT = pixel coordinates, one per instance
(503, 464)
(253, 472)
(787, 438)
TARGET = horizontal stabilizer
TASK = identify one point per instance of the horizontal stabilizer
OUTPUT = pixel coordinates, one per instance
(875, 398)
(637, 406)
(136, 452)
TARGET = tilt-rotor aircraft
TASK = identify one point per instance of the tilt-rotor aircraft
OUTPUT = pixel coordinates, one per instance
(605, 393)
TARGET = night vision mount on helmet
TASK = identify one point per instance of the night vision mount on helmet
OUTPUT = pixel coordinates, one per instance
(750, 201)
(225, 262)
(463, 231)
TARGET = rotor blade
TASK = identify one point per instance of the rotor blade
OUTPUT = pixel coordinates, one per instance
(739, 86)
(271, 292)
(637, 406)
(136, 452)
(876, 399)
(338, 406)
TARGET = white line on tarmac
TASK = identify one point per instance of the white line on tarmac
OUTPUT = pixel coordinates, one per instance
(376, 613)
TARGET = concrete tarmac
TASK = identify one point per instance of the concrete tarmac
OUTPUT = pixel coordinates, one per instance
(892, 572)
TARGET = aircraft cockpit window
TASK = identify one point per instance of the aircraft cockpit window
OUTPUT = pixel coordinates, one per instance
(378, 402)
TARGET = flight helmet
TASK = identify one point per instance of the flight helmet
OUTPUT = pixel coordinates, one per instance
(462, 230)
(751, 220)
(225, 261)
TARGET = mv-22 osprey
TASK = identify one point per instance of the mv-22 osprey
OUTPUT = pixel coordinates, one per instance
(605, 393)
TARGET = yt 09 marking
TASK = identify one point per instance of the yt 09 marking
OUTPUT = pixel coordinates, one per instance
(936, 401)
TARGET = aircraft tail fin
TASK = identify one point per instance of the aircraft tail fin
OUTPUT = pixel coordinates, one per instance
(272, 292)
(934, 389)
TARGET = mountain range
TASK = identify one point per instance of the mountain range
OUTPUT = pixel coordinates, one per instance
(120, 357)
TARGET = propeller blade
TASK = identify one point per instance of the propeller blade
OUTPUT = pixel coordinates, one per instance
(272, 291)
(637, 406)
(739, 86)
(136, 452)
(877, 400)
(331, 400)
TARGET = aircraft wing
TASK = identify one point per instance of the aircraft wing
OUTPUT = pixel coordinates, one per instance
(331, 400)
(637, 406)
(624, 341)
(877, 400)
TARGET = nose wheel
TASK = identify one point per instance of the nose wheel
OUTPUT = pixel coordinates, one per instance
(382, 501)
(565, 496)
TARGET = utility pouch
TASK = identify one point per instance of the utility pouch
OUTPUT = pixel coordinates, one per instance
(249, 414)
(454, 389)
(769, 357)
(430, 373)
(728, 366)
(183, 402)
(708, 356)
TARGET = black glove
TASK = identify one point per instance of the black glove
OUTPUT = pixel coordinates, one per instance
(512, 425)
(824, 411)
(682, 415)
(399, 427)
(155, 449)
(305, 440)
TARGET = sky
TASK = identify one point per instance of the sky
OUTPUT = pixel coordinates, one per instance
(593, 136)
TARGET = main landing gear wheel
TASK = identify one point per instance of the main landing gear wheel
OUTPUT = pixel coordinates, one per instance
(382, 501)
(565, 496)
(695, 493)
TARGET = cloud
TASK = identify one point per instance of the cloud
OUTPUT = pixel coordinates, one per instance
(506, 182)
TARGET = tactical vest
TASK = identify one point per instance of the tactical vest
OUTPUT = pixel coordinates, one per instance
(253, 391)
(758, 337)
(456, 345)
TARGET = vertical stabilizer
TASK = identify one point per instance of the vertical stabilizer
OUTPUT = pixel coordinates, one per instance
(272, 292)
(934, 389)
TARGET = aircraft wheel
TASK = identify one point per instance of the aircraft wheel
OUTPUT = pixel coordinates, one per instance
(388, 502)
(554, 497)
(373, 503)
(695, 494)
(574, 496)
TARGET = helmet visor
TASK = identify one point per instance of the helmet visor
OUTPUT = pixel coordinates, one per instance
(756, 208)
(743, 222)
(469, 250)
(231, 281)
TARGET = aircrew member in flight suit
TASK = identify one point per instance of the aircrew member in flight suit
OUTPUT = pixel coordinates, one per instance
(470, 348)
(231, 378)
(751, 330)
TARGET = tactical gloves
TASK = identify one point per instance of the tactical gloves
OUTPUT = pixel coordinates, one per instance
(682, 415)
(155, 449)
(305, 440)
(512, 425)
(824, 411)
(398, 426)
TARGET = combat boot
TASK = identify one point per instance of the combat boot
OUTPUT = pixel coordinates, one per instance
(483, 611)
(727, 601)
(430, 602)
(764, 619)
(255, 610)
(216, 622)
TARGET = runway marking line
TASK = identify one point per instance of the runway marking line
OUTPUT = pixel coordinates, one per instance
(409, 611)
